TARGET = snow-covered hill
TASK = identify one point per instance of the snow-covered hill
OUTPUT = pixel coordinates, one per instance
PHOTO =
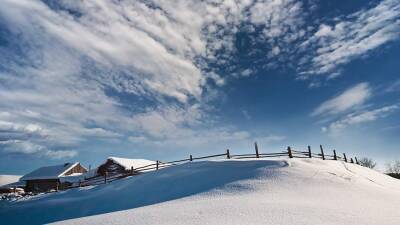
(295, 191)
(8, 179)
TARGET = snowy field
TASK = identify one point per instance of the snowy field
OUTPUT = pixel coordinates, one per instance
(8, 179)
(295, 191)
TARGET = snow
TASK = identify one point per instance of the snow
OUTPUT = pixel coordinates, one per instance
(49, 172)
(8, 179)
(129, 163)
(280, 191)
(74, 178)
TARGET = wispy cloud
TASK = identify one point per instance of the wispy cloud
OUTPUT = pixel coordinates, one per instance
(29, 148)
(74, 53)
(350, 108)
(141, 70)
(345, 38)
(348, 99)
(361, 117)
(393, 87)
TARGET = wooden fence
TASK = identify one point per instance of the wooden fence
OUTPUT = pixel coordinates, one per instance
(289, 152)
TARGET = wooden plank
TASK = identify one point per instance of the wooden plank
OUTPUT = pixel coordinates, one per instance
(275, 154)
(322, 152)
(178, 161)
(209, 156)
(289, 152)
(256, 147)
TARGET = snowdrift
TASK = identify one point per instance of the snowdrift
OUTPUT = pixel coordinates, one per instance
(293, 191)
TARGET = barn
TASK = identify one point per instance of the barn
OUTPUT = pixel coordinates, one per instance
(116, 165)
(48, 178)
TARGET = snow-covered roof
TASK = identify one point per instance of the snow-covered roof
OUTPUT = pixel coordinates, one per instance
(76, 177)
(73, 178)
(49, 172)
(15, 184)
(128, 163)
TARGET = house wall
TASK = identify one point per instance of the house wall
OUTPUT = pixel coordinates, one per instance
(111, 168)
(76, 169)
(41, 185)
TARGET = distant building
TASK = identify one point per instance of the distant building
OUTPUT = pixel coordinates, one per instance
(116, 165)
(49, 177)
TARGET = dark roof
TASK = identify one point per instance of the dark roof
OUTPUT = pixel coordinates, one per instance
(49, 172)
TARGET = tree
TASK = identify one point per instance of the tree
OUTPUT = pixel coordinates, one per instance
(367, 162)
(393, 167)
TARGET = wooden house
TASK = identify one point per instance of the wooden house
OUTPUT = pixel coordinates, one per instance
(116, 165)
(15, 187)
(48, 178)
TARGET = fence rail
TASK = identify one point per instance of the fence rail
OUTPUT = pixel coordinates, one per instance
(289, 152)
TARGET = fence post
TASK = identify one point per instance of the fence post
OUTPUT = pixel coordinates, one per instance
(227, 154)
(256, 147)
(157, 165)
(345, 158)
(334, 154)
(322, 152)
(356, 160)
(309, 152)
(105, 177)
(191, 158)
(289, 152)
(351, 160)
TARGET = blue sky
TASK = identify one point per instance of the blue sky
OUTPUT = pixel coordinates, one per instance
(84, 80)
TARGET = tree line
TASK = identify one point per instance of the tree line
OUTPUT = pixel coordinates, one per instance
(392, 168)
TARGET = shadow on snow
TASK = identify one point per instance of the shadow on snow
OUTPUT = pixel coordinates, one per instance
(146, 189)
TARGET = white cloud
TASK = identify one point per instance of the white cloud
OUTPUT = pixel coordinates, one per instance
(28, 148)
(73, 56)
(76, 52)
(361, 117)
(20, 129)
(349, 99)
(158, 45)
(246, 72)
(279, 17)
(352, 36)
(324, 30)
(282, 24)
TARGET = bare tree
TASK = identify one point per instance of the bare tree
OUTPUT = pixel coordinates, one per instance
(367, 162)
(393, 167)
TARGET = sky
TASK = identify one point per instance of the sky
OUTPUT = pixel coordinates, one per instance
(88, 79)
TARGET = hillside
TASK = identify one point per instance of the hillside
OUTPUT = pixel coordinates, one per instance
(295, 191)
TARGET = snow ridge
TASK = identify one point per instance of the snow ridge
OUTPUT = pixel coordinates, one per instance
(258, 191)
